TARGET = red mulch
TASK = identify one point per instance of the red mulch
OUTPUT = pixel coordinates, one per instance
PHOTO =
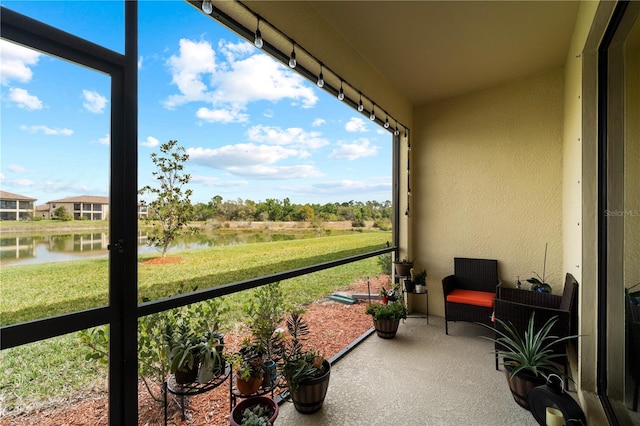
(333, 326)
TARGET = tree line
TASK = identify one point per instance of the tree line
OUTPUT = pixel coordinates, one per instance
(170, 209)
(284, 210)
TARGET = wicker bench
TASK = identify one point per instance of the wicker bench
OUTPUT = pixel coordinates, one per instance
(470, 291)
(515, 306)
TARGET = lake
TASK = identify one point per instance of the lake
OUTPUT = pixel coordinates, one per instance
(44, 248)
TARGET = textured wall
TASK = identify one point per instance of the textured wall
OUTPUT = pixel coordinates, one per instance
(488, 171)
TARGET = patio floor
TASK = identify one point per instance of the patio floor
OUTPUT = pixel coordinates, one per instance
(421, 377)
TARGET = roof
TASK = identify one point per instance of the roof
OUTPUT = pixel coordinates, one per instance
(11, 196)
(95, 199)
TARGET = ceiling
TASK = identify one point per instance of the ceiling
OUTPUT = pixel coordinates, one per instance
(431, 50)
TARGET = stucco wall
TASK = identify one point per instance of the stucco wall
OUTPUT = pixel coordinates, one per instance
(488, 168)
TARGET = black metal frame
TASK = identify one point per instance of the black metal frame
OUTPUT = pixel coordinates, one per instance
(123, 310)
(603, 205)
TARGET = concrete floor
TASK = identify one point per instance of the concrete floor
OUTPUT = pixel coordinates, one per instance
(421, 377)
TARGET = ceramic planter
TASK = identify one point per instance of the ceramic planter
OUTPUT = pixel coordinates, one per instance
(235, 419)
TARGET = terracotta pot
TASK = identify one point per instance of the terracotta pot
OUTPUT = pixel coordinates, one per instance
(309, 396)
(251, 386)
(235, 419)
(386, 329)
(521, 384)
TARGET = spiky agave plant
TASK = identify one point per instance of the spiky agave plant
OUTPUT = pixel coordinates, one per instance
(531, 352)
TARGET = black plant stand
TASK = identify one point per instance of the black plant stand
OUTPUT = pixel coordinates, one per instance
(191, 389)
(424, 293)
(234, 393)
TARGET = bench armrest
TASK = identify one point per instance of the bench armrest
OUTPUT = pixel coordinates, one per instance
(448, 284)
(543, 300)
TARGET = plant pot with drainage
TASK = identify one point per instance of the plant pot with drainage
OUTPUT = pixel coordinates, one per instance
(386, 318)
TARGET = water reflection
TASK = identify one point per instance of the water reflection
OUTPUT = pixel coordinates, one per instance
(24, 250)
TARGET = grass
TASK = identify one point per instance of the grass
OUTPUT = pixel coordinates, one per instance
(31, 374)
(38, 291)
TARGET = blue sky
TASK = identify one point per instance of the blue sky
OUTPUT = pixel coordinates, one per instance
(254, 129)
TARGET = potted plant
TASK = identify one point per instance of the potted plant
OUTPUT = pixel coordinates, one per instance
(305, 371)
(182, 348)
(420, 281)
(247, 364)
(384, 296)
(266, 311)
(403, 267)
(386, 318)
(210, 353)
(538, 283)
(529, 358)
(254, 411)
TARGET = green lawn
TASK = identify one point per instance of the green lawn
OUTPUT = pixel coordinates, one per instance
(31, 373)
(42, 290)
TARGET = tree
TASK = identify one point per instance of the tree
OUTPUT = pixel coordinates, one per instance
(171, 211)
(61, 213)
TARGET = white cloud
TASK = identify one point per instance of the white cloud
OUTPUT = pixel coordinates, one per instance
(15, 61)
(356, 124)
(140, 61)
(195, 60)
(259, 77)
(240, 155)
(94, 101)
(49, 131)
(252, 160)
(230, 85)
(355, 186)
(150, 142)
(318, 122)
(232, 115)
(106, 140)
(301, 171)
(235, 51)
(212, 181)
(294, 136)
(352, 151)
(16, 168)
(24, 99)
(22, 183)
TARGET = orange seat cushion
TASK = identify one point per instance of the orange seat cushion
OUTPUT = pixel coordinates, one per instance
(472, 297)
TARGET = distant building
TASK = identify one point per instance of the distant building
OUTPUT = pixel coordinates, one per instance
(89, 207)
(42, 211)
(16, 207)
